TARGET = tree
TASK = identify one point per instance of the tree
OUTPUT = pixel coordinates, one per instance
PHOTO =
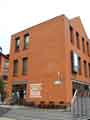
(1, 85)
(2, 93)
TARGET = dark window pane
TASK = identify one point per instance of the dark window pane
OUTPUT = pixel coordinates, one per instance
(77, 40)
(89, 68)
(15, 67)
(25, 65)
(72, 62)
(79, 60)
(71, 35)
(26, 41)
(85, 68)
(88, 48)
(17, 44)
(83, 45)
(5, 77)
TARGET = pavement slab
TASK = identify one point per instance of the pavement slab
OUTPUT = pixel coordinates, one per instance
(31, 113)
(2, 118)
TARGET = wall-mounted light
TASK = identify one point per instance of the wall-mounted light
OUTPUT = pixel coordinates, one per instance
(59, 79)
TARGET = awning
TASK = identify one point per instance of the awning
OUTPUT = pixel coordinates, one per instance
(81, 82)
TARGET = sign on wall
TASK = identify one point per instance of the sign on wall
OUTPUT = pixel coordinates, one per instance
(35, 90)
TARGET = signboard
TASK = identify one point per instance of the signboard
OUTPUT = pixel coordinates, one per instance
(35, 90)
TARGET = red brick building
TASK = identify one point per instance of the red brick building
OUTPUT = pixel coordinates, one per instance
(50, 60)
(4, 63)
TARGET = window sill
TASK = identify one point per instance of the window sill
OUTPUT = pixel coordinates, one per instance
(25, 48)
(24, 74)
(15, 75)
(17, 50)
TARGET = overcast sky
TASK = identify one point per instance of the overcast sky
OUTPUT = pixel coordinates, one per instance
(16, 15)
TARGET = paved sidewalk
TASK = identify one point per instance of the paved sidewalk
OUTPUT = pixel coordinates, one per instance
(12, 106)
(2, 118)
(31, 113)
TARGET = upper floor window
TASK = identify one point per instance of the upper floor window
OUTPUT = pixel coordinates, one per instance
(26, 41)
(79, 62)
(15, 67)
(83, 45)
(71, 35)
(85, 68)
(5, 66)
(17, 44)
(6, 63)
(77, 40)
(25, 66)
(89, 68)
(88, 48)
(75, 63)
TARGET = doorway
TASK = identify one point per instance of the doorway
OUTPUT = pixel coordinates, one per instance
(18, 94)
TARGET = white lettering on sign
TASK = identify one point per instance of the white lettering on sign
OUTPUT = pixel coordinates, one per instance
(35, 90)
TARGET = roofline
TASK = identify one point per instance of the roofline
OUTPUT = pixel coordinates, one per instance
(78, 17)
(75, 18)
(1, 54)
(63, 15)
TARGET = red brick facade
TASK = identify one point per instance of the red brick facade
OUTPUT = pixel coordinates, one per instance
(49, 59)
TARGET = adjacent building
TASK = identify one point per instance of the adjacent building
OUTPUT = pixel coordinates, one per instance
(50, 61)
(4, 63)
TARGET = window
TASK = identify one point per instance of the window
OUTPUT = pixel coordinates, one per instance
(88, 48)
(25, 65)
(5, 77)
(85, 68)
(83, 45)
(71, 35)
(15, 67)
(5, 67)
(77, 40)
(89, 68)
(26, 41)
(71, 61)
(75, 66)
(79, 61)
(17, 44)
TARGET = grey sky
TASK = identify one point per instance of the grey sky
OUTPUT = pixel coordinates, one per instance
(16, 15)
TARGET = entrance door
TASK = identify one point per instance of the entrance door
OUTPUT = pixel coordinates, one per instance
(18, 94)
